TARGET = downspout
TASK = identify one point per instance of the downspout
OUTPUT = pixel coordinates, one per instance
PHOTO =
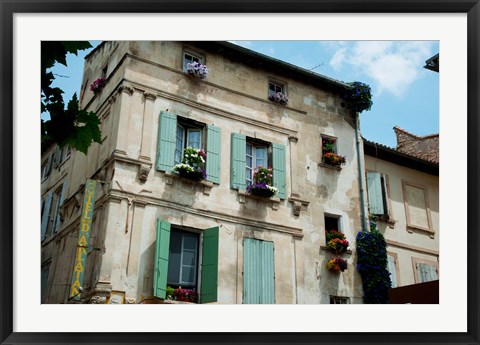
(360, 174)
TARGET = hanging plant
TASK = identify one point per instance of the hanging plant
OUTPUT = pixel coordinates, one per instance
(372, 265)
(98, 85)
(337, 264)
(359, 96)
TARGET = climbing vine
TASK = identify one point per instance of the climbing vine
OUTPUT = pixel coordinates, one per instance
(372, 265)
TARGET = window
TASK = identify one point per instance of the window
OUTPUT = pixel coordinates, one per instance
(393, 268)
(248, 153)
(189, 58)
(425, 270)
(183, 259)
(44, 279)
(62, 155)
(47, 166)
(416, 208)
(50, 210)
(329, 144)
(377, 194)
(179, 255)
(332, 223)
(176, 133)
(275, 87)
(258, 272)
(256, 155)
(339, 300)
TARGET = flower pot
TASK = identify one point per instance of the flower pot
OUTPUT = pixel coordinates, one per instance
(266, 193)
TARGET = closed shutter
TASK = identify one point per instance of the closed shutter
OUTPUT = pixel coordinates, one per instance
(210, 265)
(374, 186)
(393, 271)
(258, 272)
(49, 165)
(166, 141)
(60, 203)
(426, 272)
(162, 246)
(279, 169)
(46, 214)
(238, 161)
(267, 295)
(214, 149)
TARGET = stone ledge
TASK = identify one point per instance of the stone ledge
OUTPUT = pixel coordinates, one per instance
(243, 196)
(170, 179)
(321, 164)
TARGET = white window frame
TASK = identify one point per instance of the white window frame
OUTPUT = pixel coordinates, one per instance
(278, 87)
(250, 169)
(194, 56)
(185, 140)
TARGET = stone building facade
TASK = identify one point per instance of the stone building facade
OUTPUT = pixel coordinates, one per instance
(214, 237)
(403, 192)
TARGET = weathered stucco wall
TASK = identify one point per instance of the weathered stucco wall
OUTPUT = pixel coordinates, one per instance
(146, 78)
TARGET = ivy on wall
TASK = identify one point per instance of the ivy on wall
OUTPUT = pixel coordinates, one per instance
(372, 265)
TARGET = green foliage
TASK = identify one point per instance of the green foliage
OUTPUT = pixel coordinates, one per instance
(372, 265)
(67, 126)
(359, 96)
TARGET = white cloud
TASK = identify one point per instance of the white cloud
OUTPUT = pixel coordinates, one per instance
(393, 66)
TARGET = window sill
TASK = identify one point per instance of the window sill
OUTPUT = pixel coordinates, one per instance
(321, 164)
(243, 196)
(170, 179)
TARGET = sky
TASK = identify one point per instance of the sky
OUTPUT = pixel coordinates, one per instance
(404, 93)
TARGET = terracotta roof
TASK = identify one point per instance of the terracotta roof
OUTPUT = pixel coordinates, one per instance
(423, 147)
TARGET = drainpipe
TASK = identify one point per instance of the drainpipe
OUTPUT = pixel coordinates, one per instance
(360, 174)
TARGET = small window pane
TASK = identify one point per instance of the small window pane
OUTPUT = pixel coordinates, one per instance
(261, 156)
(190, 242)
(188, 275)
(179, 144)
(189, 258)
(194, 138)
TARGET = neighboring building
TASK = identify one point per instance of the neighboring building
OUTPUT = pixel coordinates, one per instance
(403, 192)
(425, 147)
(212, 235)
(433, 64)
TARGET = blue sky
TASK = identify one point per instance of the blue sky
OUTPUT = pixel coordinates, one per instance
(404, 93)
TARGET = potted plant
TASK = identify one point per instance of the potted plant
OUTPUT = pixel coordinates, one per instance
(185, 295)
(193, 164)
(328, 153)
(279, 98)
(198, 70)
(98, 85)
(336, 264)
(336, 241)
(170, 292)
(262, 183)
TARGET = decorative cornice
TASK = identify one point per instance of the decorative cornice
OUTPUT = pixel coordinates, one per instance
(149, 95)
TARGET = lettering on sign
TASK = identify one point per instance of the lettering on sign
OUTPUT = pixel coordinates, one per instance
(83, 240)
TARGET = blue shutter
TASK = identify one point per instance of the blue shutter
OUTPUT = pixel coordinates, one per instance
(46, 214)
(238, 161)
(60, 203)
(375, 198)
(166, 141)
(392, 270)
(258, 272)
(162, 252)
(267, 295)
(279, 170)
(214, 149)
(210, 265)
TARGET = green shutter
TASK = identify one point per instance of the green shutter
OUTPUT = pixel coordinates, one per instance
(267, 295)
(162, 246)
(60, 203)
(374, 187)
(209, 288)
(258, 272)
(238, 161)
(213, 153)
(279, 169)
(46, 214)
(166, 141)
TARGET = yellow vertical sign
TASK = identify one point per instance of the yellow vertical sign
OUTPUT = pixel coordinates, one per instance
(83, 239)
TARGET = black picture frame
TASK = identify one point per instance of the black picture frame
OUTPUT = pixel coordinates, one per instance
(10, 7)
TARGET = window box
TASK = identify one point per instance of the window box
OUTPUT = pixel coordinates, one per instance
(98, 85)
(198, 70)
(193, 164)
(276, 93)
(262, 184)
(329, 153)
(336, 241)
(337, 264)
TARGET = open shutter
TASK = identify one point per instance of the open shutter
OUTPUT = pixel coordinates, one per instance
(213, 153)
(162, 246)
(392, 270)
(46, 214)
(60, 203)
(166, 141)
(251, 271)
(267, 293)
(238, 161)
(279, 169)
(209, 288)
(374, 186)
